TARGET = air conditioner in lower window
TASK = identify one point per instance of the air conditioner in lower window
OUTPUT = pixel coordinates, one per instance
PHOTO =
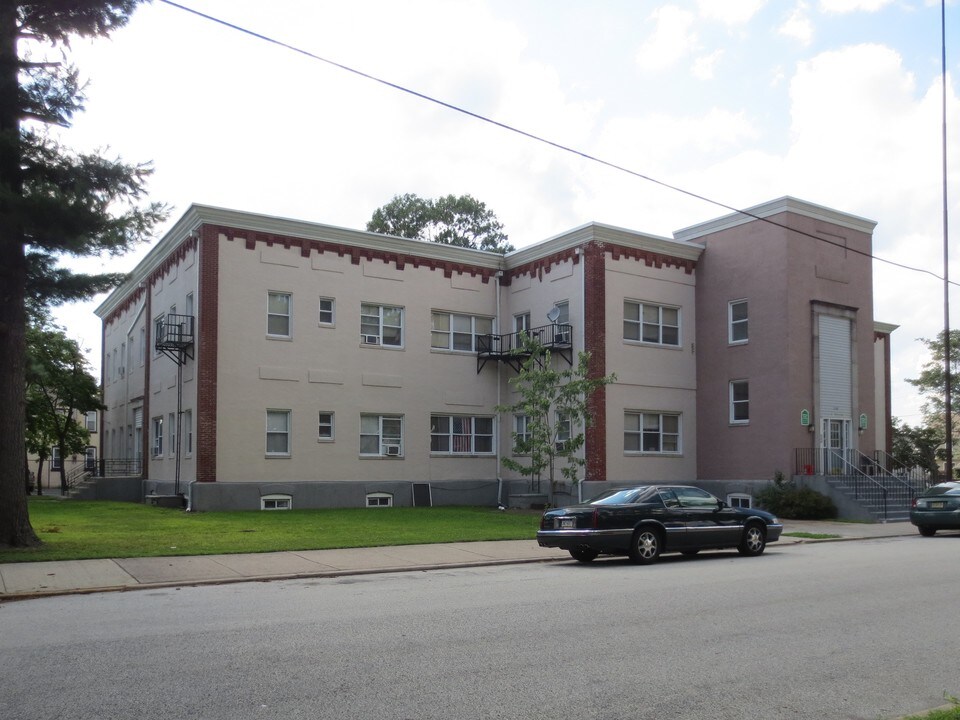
(392, 450)
(370, 339)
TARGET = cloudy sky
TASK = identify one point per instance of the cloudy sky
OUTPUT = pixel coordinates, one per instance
(741, 101)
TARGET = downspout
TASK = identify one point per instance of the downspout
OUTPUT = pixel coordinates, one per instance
(498, 275)
(583, 338)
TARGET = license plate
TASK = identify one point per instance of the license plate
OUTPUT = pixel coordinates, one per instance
(567, 523)
(938, 505)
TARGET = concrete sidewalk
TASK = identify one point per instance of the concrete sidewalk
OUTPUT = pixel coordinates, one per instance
(37, 579)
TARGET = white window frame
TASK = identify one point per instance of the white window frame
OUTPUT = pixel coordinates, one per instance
(56, 462)
(156, 427)
(642, 322)
(442, 433)
(157, 329)
(643, 431)
(188, 432)
(740, 500)
(90, 419)
(276, 432)
(446, 338)
(373, 323)
(328, 424)
(172, 419)
(521, 322)
(389, 442)
(276, 501)
(271, 313)
(142, 349)
(736, 324)
(379, 499)
(330, 311)
(521, 433)
(736, 405)
(562, 431)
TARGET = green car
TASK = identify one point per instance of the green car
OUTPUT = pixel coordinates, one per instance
(937, 509)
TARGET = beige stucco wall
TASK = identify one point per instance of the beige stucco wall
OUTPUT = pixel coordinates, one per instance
(326, 368)
(650, 377)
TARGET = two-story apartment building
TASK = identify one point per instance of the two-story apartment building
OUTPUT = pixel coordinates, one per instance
(260, 362)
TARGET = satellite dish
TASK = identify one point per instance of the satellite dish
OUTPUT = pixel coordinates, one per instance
(553, 314)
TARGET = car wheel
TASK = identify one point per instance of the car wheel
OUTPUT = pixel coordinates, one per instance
(927, 531)
(754, 540)
(583, 555)
(645, 546)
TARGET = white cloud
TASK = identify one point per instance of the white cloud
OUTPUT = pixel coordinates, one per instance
(673, 38)
(848, 6)
(730, 12)
(798, 25)
(703, 67)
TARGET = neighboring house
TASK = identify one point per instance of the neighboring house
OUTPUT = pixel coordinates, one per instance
(260, 362)
(50, 472)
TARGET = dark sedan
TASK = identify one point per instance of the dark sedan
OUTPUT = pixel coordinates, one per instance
(647, 520)
(937, 509)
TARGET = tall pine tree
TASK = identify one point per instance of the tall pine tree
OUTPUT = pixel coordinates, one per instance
(53, 202)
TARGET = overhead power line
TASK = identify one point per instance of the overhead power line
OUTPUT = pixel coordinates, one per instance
(540, 139)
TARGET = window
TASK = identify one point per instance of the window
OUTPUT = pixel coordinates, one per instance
(563, 432)
(278, 314)
(651, 432)
(142, 348)
(326, 316)
(450, 331)
(90, 421)
(381, 325)
(461, 434)
(157, 333)
(188, 432)
(121, 369)
(740, 401)
(172, 432)
(739, 500)
(157, 436)
(90, 458)
(521, 434)
(381, 435)
(656, 324)
(276, 502)
(278, 433)
(188, 305)
(737, 318)
(55, 460)
(562, 334)
(521, 323)
(379, 499)
(325, 426)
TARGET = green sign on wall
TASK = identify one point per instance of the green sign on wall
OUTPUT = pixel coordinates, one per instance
(804, 417)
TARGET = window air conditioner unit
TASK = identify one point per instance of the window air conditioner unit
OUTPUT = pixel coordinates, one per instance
(392, 450)
(370, 339)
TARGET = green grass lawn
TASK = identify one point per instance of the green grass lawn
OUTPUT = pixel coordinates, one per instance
(77, 529)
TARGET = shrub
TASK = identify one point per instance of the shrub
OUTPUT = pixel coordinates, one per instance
(787, 500)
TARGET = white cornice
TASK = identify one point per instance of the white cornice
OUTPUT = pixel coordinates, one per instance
(608, 234)
(882, 327)
(775, 207)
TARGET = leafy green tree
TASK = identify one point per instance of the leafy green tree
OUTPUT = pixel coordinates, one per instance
(53, 202)
(556, 407)
(917, 446)
(932, 384)
(463, 221)
(59, 388)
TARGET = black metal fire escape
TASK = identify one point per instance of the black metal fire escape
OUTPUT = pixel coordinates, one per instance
(174, 338)
(513, 349)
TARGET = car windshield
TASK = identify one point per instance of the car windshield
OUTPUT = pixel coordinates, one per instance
(625, 496)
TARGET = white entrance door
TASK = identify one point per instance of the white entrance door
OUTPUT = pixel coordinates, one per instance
(836, 442)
